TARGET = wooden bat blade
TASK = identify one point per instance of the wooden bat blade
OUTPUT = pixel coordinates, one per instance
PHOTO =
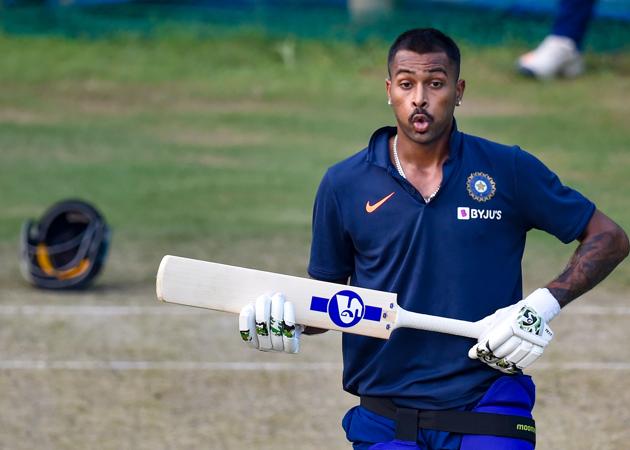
(317, 303)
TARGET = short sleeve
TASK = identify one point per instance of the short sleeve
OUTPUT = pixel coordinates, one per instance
(332, 256)
(546, 204)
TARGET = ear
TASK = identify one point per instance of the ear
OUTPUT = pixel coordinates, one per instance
(459, 89)
(388, 87)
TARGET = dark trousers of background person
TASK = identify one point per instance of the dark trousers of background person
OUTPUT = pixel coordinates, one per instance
(572, 19)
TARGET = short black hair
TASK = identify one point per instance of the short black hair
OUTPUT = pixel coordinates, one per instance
(425, 40)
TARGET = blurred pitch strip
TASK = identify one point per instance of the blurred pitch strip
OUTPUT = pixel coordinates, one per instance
(248, 366)
(136, 310)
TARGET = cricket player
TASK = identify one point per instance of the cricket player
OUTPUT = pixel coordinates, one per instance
(440, 217)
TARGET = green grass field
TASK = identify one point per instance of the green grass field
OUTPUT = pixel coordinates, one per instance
(212, 143)
(213, 148)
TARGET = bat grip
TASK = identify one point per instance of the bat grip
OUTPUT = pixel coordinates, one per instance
(427, 322)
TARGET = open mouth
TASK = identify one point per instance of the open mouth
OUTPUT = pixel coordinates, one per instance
(421, 122)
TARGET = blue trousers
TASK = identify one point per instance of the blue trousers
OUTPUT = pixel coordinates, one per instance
(513, 395)
(572, 19)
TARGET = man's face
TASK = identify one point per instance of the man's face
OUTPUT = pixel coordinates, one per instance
(424, 90)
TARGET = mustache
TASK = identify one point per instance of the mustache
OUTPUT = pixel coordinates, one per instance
(420, 111)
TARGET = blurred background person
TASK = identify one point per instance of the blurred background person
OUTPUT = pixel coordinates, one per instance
(560, 53)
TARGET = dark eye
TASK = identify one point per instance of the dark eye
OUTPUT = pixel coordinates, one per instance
(405, 84)
(437, 84)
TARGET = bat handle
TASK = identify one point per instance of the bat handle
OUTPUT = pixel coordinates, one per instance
(427, 322)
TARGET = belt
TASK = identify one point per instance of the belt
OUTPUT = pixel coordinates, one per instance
(464, 422)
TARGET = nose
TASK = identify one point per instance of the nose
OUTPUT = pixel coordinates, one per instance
(420, 99)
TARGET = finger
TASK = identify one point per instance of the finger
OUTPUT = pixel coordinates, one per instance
(520, 352)
(535, 353)
(276, 321)
(263, 313)
(505, 366)
(508, 347)
(480, 351)
(531, 337)
(292, 331)
(472, 353)
(499, 336)
(484, 354)
(247, 325)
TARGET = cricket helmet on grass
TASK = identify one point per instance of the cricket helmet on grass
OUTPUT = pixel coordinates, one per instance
(66, 248)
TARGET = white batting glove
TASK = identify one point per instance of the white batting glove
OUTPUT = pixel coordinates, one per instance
(517, 335)
(269, 325)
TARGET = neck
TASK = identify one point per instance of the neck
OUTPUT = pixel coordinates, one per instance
(422, 156)
(427, 180)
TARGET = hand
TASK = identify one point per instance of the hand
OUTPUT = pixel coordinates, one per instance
(269, 325)
(517, 335)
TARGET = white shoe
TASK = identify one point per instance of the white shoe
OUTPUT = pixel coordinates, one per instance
(556, 56)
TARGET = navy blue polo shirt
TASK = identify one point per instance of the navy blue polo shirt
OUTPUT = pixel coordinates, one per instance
(457, 256)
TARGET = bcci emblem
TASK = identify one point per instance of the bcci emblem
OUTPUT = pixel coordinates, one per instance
(481, 186)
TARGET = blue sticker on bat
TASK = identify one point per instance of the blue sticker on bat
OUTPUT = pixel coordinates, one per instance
(346, 309)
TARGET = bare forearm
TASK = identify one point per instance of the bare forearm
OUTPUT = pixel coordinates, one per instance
(602, 248)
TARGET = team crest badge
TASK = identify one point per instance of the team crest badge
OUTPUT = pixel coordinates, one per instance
(481, 186)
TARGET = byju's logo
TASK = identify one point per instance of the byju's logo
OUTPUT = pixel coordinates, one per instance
(465, 213)
(346, 309)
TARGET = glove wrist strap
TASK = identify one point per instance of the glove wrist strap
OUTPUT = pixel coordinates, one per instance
(544, 303)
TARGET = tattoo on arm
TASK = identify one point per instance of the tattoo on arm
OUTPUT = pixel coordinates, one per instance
(593, 260)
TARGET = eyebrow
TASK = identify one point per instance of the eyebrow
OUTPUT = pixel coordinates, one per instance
(438, 69)
(413, 72)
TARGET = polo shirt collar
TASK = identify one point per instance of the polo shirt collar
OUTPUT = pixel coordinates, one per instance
(378, 148)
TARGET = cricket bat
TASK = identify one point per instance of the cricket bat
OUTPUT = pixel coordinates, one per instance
(318, 304)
